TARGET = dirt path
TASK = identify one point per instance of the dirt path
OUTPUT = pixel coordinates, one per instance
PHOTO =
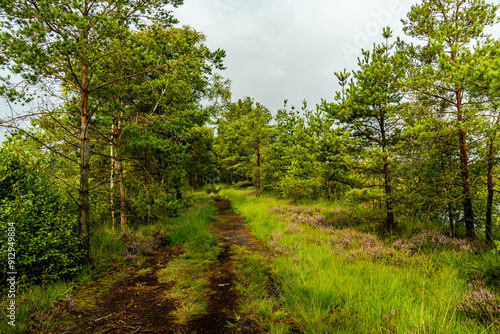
(138, 303)
(232, 230)
(135, 305)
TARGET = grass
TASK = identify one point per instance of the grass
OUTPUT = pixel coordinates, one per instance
(42, 308)
(189, 270)
(333, 283)
(36, 306)
(259, 301)
(189, 273)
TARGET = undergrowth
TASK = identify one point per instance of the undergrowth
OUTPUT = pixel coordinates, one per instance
(336, 278)
(41, 308)
(259, 300)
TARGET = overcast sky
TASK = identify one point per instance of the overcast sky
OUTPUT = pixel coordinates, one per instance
(289, 49)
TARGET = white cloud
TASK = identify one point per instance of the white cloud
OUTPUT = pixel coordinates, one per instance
(280, 49)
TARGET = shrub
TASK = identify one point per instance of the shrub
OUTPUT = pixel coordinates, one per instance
(46, 245)
(138, 246)
(479, 302)
(436, 241)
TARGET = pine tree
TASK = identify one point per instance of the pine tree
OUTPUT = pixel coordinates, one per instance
(451, 30)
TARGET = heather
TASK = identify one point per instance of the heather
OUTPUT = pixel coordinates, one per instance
(480, 303)
(137, 245)
(337, 278)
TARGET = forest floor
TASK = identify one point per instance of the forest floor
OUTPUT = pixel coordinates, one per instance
(138, 303)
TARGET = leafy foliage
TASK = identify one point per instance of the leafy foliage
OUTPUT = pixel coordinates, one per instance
(243, 132)
(47, 247)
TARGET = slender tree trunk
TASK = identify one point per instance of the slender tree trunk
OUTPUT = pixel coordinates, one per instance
(119, 176)
(84, 202)
(447, 188)
(468, 212)
(491, 193)
(390, 224)
(450, 217)
(258, 168)
(464, 166)
(388, 192)
(123, 194)
(84, 205)
(112, 176)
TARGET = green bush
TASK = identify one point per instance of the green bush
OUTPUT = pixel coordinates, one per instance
(47, 247)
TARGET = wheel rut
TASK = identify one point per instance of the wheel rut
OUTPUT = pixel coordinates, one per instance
(138, 304)
(232, 231)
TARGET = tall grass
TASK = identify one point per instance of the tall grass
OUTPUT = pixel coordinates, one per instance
(189, 270)
(330, 291)
(258, 302)
(38, 308)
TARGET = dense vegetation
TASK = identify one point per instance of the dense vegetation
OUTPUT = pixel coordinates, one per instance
(137, 119)
(413, 131)
(335, 277)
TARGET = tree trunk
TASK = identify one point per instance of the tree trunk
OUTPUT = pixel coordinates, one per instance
(390, 224)
(123, 194)
(450, 217)
(112, 175)
(464, 164)
(119, 176)
(388, 192)
(84, 202)
(258, 169)
(464, 167)
(450, 209)
(491, 193)
(84, 205)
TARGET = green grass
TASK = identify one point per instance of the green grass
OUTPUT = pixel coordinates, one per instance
(34, 307)
(105, 269)
(189, 270)
(255, 286)
(329, 292)
(190, 224)
(105, 249)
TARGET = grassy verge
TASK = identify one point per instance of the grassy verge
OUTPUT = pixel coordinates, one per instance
(189, 270)
(42, 308)
(342, 280)
(259, 298)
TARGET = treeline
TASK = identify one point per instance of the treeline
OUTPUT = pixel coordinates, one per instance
(118, 130)
(413, 131)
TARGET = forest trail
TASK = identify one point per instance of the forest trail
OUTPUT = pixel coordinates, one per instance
(138, 303)
(232, 231)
